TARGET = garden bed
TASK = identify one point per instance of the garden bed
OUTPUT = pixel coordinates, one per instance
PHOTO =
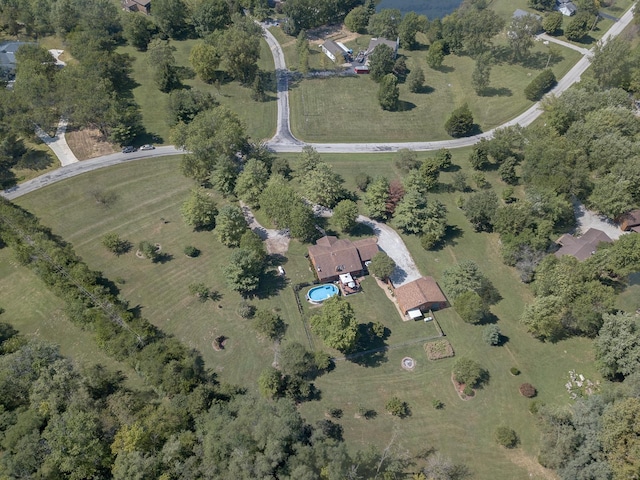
(438, 349)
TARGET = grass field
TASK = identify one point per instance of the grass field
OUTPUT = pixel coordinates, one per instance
(345, 109)
(148, 195)
(259, 117)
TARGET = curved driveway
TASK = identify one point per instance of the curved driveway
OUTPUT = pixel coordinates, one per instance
(284, 141)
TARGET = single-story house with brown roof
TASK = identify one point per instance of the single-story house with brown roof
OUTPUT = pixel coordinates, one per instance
(630, 221)
(415, 298)
(143, 6)
(331, 256)
(581, 247)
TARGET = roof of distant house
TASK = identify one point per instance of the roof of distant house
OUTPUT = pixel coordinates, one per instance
(414, 294)
(8, 53)
(581, 247)
(333, 256)
(523, 13)
(374, 42)
(332, 47)
(631, 219)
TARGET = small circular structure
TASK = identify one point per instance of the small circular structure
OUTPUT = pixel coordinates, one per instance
(319, 294)
(408, 363)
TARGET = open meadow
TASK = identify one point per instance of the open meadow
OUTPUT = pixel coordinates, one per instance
(145, 200)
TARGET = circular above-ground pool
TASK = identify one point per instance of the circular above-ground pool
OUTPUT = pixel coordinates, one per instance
(320, 293)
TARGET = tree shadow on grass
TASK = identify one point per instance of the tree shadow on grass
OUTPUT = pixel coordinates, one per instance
(497, 92)
(426, 89)
(404, 106)
(451, 235)
(445, 69)
(270, 284)
(35, 160)
(163, 258)
(370, 351)
(489, 319)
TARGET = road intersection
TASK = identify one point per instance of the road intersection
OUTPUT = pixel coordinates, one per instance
(285, 141)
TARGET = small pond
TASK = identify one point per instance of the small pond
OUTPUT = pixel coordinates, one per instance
(431, 8)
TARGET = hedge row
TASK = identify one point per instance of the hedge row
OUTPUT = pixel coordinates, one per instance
(540, 85)
(93, 303)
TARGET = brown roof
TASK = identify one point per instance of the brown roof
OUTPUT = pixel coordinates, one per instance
(418, 293)
(581, 247)
(630, 219)
(367, 248)
(332, 256)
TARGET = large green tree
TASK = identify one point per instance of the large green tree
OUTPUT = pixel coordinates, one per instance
(618, 345)
(409, 27)
(381, 62)
(251, 182)
(322, 185)
(243, 271)
(345, 214)
(336, 324)
(230, 225)
(460, 122)
(382, 266)
(389, 92)
(199, 210)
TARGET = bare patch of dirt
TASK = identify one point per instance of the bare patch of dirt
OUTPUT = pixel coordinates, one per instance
(277, 244)
(88, 143)
(535, 470)
(333, 32)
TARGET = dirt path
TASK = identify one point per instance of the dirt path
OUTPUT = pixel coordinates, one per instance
(277, 241)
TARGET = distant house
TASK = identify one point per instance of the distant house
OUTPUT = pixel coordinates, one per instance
(421, 295)
(143, 6)
(581, 247)
(8, 58)
(332, 257)
(630, 221)
(374, 42)
(332, 50)
(566, 7)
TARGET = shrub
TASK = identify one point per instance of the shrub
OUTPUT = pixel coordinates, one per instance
(467, 371)
(149, 250)
(506, 437)
(266, 323)
(190, 251)
(335, 412)
(514, 371)
(535, 406)
(366, 413)
(200, 290)
(528, 390)
(491, 335)
(460, 123)
(246, 310)
(115, 244)
(437, 404)
(540, 85)
(362, 181)
(397, 407)
(468, 391)
(471, 307)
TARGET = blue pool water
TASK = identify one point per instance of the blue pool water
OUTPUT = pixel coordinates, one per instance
(320, 293)
(431, 8)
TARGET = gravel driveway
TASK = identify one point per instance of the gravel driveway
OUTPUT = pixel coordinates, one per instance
(391, 243)
(587, 219)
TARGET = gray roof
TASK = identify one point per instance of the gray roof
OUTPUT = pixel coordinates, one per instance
(523, 13)
(374, 42)
(8, 53)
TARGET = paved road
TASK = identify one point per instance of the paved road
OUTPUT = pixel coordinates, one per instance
(524, 119)
(74, 169)
(284, 141)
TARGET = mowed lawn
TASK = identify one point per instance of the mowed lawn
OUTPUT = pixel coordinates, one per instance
(346, 109)
(37, 313)
(148, 195)
(259, 117)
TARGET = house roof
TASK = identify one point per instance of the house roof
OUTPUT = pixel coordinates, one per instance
(631, 219)
(374, 42)
(581, 247)
(367, 248)
(414, 294)
(8, 53)
(332, 256)
(523, 13)
(566, 7)
(332, 47)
